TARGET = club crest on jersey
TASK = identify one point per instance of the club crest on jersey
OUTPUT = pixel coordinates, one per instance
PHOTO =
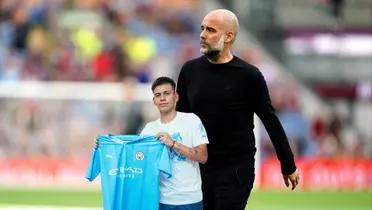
(140, 156)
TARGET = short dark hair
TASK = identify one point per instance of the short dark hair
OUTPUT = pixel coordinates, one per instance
(163, 81)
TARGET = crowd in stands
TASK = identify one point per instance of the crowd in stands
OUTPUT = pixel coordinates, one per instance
(95, 40)
(112, 40)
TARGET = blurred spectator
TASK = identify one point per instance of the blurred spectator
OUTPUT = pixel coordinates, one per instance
(335, 129)
(103, 66)
(337, 8)
(296, 126)
(319, 127)
(10, 70)
(21, 28)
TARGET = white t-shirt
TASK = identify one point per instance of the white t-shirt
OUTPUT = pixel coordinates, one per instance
(184, 187)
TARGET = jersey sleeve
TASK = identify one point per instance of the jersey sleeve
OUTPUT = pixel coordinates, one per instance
(94, 167)
(165, 163)
(199, 133)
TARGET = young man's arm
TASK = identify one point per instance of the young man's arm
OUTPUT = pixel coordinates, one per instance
(198, 153)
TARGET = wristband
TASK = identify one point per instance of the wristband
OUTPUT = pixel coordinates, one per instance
(173, 143)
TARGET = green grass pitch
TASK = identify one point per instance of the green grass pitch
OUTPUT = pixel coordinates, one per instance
(259, 200)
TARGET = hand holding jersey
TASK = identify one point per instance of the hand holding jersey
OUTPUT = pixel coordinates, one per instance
(198, 153)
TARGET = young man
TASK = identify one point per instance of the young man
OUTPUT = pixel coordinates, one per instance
(225, 92)
(187, 140)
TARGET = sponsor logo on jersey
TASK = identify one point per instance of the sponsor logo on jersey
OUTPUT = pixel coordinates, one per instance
(126, 172)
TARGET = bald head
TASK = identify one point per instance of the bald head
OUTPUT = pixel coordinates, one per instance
(227, 18)
(218, 32)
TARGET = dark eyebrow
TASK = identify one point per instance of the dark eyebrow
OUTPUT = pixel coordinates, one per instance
(165, 91)
(208, 28)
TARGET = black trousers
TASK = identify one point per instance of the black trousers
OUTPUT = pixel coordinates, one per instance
(227, 188)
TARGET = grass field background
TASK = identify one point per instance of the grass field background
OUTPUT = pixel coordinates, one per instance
(12, 199)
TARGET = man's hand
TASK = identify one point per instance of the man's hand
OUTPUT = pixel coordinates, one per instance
(96, 144)
(165, 138)
(294, 178)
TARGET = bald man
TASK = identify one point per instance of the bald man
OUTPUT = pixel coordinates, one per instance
(225, 92)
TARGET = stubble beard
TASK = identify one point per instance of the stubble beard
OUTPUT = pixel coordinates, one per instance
(213, 53)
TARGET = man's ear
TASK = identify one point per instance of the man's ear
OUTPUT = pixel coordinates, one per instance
(153, 100)
(177, 96)
(229, 36)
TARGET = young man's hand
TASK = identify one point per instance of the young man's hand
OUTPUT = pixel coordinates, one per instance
(96, 144)
(166, 139)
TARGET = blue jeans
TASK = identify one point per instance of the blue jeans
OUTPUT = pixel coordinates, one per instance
(192, 206)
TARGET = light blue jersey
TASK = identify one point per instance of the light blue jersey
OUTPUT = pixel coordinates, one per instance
(129, 167)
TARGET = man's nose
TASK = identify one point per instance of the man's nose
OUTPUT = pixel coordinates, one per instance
(202, 35)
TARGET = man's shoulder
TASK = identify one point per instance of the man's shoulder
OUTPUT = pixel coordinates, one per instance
(188, 116)
(245, 64)
(249, 69)
(195, 61)
(152, 123)
(150, 127)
